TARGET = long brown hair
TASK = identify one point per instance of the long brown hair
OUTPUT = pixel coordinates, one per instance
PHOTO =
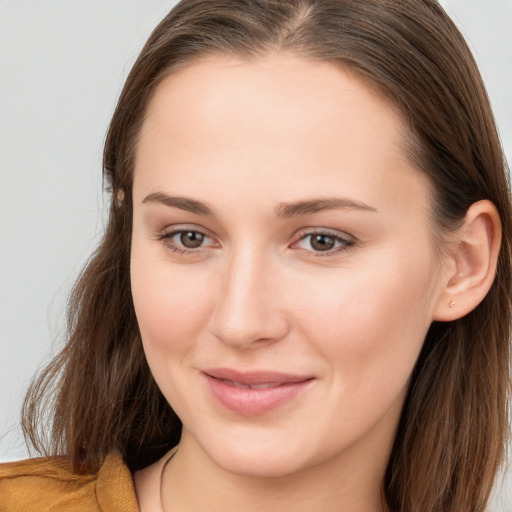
(98, 394)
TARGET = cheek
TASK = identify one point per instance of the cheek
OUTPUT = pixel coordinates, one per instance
(366, 323)
(171, 304)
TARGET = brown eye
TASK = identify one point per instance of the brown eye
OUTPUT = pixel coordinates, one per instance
(188, 242)
(191, 239)
(322, 242)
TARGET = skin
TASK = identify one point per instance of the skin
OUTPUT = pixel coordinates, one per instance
(244, 138)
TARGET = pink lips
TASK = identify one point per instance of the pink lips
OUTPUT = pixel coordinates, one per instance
(253, 393)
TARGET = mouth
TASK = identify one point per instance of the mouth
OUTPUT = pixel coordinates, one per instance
(254, 393)
(249, 386)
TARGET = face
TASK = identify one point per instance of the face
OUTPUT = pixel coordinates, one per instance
(283, 267)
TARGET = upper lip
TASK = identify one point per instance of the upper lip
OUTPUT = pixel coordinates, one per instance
(255, 377)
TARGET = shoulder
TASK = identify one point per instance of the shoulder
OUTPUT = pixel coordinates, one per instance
(49, 484)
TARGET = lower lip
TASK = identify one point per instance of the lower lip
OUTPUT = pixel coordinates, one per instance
(251, 402)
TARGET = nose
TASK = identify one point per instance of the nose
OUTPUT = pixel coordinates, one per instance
(249, 311)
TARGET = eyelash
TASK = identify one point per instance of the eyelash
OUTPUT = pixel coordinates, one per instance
(166, 239)
(344, 244)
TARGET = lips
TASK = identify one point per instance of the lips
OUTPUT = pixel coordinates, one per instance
(250, 386)
(254, 393)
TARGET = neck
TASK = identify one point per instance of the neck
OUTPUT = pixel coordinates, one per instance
(191, 479)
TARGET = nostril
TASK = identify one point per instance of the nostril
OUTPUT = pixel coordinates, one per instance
(246, 330)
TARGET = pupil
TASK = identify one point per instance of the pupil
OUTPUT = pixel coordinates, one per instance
(191, 239)
(322, 242)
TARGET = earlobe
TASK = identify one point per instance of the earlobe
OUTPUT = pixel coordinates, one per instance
(470, 266)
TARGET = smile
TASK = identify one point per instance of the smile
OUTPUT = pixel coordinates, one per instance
(250, 386)
(254, 393)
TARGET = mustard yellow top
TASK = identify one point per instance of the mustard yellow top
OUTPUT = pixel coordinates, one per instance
(49, 485)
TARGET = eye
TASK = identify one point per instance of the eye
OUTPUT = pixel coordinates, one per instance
(186, 241)
(190, 239)
(322, 242)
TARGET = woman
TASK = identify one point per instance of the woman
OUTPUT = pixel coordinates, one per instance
(302, 298)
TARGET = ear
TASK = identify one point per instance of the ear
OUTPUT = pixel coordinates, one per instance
(469, 267)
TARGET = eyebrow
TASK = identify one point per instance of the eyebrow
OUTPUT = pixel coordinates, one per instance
(183, 203)
(300, 208)
(283, 210)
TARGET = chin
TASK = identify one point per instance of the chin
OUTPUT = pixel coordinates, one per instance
(256, 458)
(258, 466)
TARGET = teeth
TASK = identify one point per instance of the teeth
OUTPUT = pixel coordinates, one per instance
(263, 386)
(251, 386)
(237, 384)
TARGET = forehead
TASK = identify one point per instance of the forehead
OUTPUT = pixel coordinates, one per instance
(277, 88)
(279, 120)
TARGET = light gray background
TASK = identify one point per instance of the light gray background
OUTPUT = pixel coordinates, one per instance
(62, 65)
